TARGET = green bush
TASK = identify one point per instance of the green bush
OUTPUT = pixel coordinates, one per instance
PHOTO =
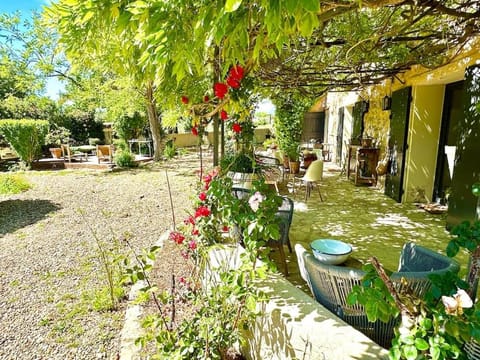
(170, 149)
(289, 122)
(125, 159)
(13, 184)
(25, 136)
(130, 127)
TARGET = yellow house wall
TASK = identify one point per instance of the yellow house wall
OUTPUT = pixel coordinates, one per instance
(423, 134)
(428, 88)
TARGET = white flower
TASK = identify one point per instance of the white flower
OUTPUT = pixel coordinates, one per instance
(255, 201)
(456, 304)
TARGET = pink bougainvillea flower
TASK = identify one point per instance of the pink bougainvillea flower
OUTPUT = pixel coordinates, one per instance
(255, 201)
(237, 128)
(233, 83)
(177, 237)
(182, 280)
(215, 171)
(202, 196)
(185, 100)
(202, 211)
(220, 90)
(206, 98)
(223, 115)
(184, 254)
(237, 72)
(195, 131)
(192, 245)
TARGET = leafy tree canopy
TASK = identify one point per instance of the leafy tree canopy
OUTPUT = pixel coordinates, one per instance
(291, 43)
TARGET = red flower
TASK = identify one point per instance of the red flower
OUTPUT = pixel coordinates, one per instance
(195, 232)
(185, 100)
(195, 131)
(206, 98)
(225, 228)
(182, 280)
(237, 128)
(202, 196)
(220, 89)
(237, 72)
(192, 245)
(223, 115)
(202, 211)
(207, 179)
(177, 237)
(185, 254)
(189, 220)
(233, 83)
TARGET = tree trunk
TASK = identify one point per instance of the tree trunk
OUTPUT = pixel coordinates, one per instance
(155, 123)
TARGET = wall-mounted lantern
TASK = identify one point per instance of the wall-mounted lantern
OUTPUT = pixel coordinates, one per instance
(386, 103)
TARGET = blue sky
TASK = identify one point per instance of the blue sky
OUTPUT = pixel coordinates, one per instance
(53, 86)
(26, 7)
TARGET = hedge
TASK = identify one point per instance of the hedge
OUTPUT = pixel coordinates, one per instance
(25, 136)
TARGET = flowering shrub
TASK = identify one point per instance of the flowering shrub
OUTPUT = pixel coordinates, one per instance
(221, 312)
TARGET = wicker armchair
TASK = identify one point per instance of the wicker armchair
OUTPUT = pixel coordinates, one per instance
(330, 285)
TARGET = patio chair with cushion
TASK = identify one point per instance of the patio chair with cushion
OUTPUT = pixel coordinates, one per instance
(69, 154)
(105, 152)
(330, 285)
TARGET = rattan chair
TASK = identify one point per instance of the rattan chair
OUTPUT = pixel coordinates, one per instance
(330, 285)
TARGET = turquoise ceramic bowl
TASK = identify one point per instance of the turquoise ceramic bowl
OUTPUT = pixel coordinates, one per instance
(330, 251)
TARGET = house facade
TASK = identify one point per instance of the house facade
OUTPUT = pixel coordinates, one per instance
(425, 124)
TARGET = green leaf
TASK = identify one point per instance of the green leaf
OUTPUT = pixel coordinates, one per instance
(452, 248)
(311, 5)
(421, 344)
(435, 352)
(232, 5)
(410, 352)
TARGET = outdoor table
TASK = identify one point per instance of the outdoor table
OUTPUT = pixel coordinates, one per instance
(140, 142)
(85, 149)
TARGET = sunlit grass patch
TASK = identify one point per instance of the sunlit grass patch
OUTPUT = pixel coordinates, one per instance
(13, 184)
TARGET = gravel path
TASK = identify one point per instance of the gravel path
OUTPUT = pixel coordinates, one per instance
(49, 263)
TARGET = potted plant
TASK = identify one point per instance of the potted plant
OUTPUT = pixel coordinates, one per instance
(293, 158)
(55, 138)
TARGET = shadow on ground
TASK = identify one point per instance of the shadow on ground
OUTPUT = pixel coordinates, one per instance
(16, 214)
(362, 216)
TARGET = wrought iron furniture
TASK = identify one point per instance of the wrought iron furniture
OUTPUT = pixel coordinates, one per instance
(330, 285)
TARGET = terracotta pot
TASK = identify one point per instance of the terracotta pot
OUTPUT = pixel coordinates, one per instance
(294, 167)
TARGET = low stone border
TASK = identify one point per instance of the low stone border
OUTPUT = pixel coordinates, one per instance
(132, 329)
(293, 324)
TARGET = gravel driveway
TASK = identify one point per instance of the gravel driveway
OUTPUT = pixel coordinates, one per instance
(49, 260)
